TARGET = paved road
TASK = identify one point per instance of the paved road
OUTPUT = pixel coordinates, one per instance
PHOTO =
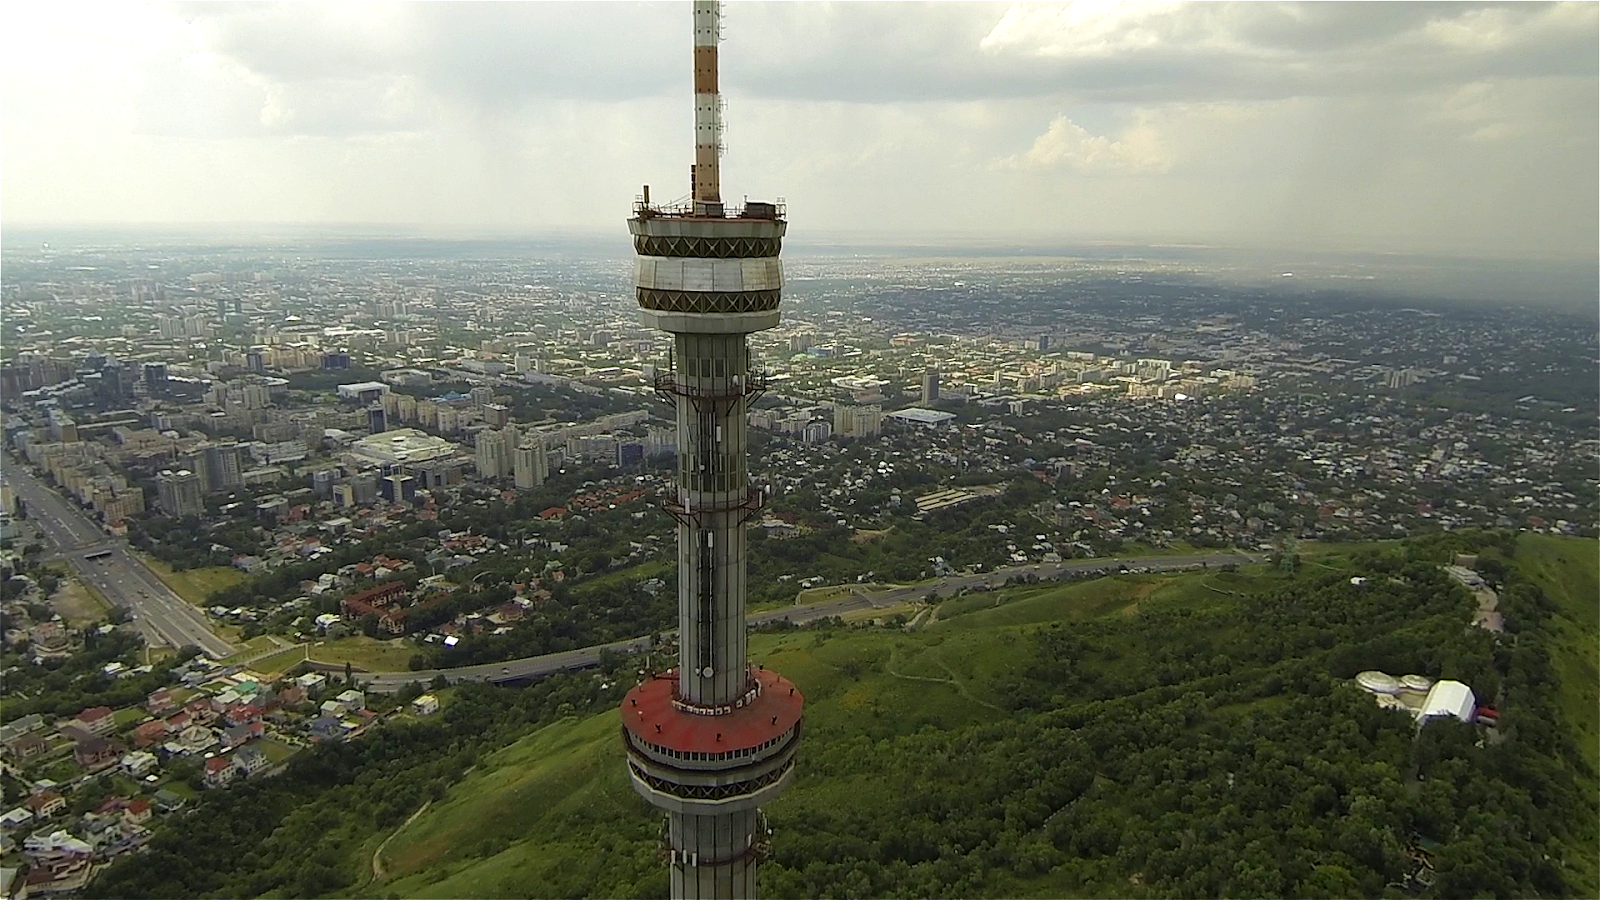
(535, 666)
(161, 615)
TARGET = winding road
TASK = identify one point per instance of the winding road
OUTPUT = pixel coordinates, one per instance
(530, 667)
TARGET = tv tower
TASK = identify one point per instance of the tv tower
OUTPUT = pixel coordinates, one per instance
(712, 740)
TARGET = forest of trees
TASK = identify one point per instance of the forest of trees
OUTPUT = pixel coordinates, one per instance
(1224, 752)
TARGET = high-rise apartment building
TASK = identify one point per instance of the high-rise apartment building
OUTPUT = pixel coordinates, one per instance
(493, 449)
(857, 421)
(530, 464)
(178, 493)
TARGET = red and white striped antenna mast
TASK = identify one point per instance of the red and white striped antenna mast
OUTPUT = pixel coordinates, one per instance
(706, 178)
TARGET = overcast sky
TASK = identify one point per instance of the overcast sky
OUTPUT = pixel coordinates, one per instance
(1466, 129)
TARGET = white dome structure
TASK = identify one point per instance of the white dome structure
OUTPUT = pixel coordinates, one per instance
(1418, 683)
(1378, 682)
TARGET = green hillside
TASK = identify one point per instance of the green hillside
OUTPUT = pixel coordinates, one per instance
(1136, 735)
(1568, 570)
(1056, 740)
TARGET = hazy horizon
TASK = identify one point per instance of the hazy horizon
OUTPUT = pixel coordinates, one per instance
(1572, 285)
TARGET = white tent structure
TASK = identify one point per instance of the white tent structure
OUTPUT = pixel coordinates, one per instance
(1449, 698)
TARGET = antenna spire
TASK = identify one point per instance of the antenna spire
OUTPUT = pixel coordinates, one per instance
(707, 104)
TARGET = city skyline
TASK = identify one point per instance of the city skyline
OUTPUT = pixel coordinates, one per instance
(1462, 130)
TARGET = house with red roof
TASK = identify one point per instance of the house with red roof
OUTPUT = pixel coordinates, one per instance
(137, 812)
(46, 803)
(199, 710)
(151, 732)
(96, 720)
(218, 771)
(160, 702)
(242, 714)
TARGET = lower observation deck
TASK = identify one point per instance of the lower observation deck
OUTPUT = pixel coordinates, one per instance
(711, 761)
(656, 719)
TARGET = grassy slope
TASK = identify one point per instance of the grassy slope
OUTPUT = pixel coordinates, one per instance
(367, 654)
(536, 809)
(556, 803)
(1568, 569)
(494, 835)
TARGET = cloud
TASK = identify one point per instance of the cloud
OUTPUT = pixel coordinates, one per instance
(1067, 145)
(1464, 127)
(1150, 52)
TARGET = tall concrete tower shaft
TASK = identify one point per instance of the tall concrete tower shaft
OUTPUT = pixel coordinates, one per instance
(711, 740)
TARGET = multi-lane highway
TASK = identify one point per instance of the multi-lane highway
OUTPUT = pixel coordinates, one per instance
(105, 563)
(535, 666)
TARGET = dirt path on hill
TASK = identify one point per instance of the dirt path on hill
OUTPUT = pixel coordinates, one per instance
(378, 873)
(952, 680)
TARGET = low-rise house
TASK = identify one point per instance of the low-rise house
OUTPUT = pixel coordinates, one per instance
(426, 705)
(139, 763)
(291, 696)
(46, 803)
(16, 728)
(57, 845)
(311, 682)
(26, 746)
(160, 702)
(167, 801)
(149, 733)
(242, 714)
(196, 739)
(13, 819)
(326, 728)
(57, 878)
(96, 753)
(249, 761)
(352, 699)
(96, 720)
(218, 771)
(137, 812)
(239, 735)
(200, 709)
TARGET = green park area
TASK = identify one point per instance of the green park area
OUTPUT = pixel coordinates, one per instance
(365, 653)
(195, 585)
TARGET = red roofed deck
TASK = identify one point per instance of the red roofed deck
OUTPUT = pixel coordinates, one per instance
(650, 704)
